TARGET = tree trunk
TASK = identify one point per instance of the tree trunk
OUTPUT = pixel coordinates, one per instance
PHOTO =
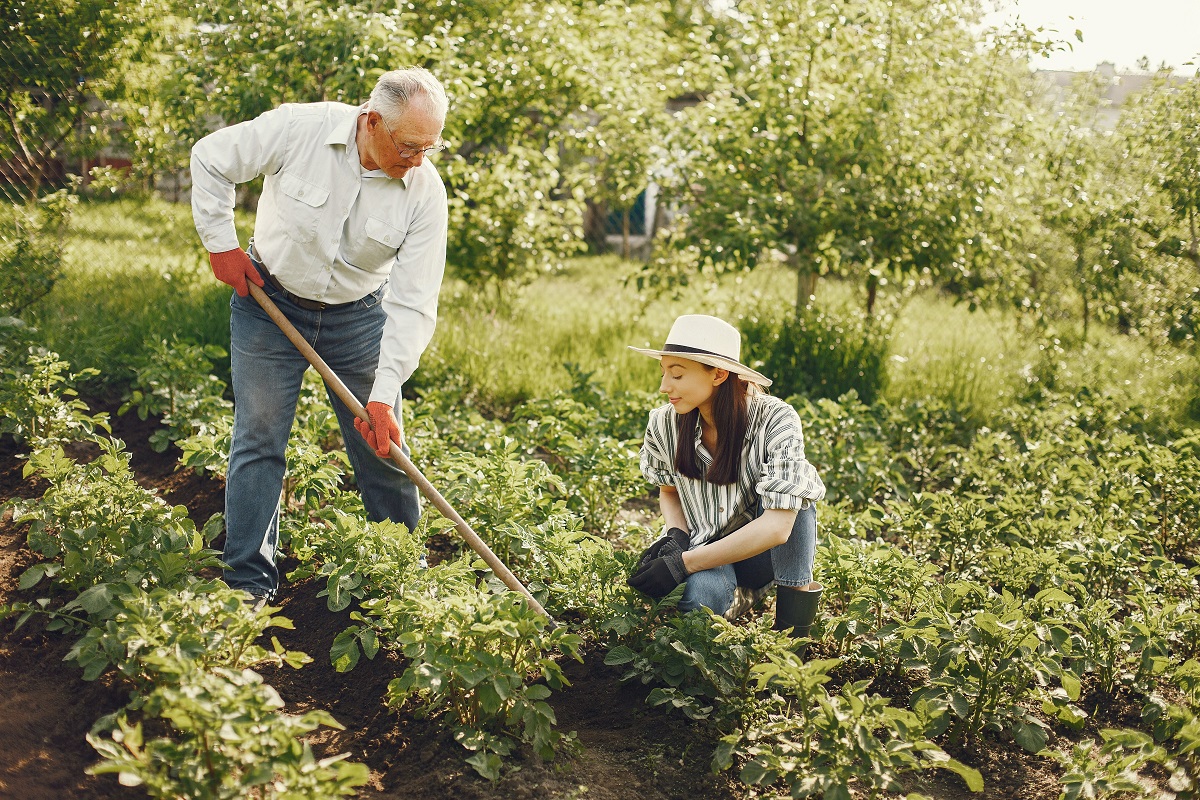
(872, 292)
(625, 234)
(1086, 313)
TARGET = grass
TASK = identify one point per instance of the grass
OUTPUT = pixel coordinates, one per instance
(975, 361)
(136, 272)
(584, 316)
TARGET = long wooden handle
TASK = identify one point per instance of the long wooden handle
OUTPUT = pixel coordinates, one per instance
(434, 496)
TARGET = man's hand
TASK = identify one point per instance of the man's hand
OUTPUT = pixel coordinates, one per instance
(234, 267)
(383, 429)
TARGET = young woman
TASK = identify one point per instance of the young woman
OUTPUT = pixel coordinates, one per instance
(738, 496)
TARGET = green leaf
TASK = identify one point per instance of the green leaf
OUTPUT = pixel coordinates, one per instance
(370, 642)
(970, 775)
(31, 576)
(345, 652)
(619, 655)
(1031, 738)
(94, 600)
(755, 774)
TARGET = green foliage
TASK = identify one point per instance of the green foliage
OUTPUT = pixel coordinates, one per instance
(703, 662)
(1162, 125)
(821, 745)
(100, 529)
(59, 56)
(600, 472)
(479, 655)
(39, 403)
(852, 143)
(508, 500)
(159, 636)
(173, 381)
(31, 249)
(984, 663)
(508, 219)
(357, 559)
(820, 353)
(878, 591)
(229, 738)
(847, 442)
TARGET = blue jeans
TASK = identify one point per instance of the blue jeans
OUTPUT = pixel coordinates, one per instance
(791, 564)
(267, 371)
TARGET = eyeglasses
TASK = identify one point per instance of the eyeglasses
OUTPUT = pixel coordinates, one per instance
(411, 152)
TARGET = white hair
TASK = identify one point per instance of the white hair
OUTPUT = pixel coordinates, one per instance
(395, 91)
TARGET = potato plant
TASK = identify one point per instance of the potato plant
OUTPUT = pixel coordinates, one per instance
(158, 636)
(101, 531)
(821, 745)
(229, 739)
(39, 403)
(985, 662)
(487, 660)
(174, 382)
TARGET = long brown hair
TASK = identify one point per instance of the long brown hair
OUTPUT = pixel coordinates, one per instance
(730, 406)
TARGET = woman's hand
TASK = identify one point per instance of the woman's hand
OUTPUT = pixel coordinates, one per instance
(676, 536)
(661, 568)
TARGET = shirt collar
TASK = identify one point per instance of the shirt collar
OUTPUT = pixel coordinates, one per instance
(344, 134)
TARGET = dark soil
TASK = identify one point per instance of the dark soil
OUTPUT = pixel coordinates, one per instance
(626, 749)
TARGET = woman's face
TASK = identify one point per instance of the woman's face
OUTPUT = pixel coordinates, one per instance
(689, 384)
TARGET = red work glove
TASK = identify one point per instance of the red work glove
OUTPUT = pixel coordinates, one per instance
(383, 428)
(233, 267)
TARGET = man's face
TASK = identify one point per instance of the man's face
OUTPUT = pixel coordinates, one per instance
(396, 147)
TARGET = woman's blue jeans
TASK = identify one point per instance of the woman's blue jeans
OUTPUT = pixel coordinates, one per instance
(791, 563)
(267, 372)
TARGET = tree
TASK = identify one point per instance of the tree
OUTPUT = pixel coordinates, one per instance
(1091, 197)
(863, 138)
(59, 58)
(530, 84)
(1162, 126)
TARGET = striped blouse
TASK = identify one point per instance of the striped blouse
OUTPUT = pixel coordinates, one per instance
(774, 470)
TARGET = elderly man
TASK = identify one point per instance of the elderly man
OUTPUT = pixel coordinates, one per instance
(350, 243)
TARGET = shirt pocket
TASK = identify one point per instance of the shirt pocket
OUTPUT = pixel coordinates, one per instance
(379, 244)
(300, 206)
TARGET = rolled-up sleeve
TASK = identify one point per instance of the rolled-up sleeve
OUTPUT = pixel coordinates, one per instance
(788, 480)
(657, 466)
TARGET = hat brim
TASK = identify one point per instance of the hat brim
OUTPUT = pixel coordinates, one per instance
(711, 360)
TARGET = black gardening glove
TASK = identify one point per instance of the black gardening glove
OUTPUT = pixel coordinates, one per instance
(662, 574)
(675, 538)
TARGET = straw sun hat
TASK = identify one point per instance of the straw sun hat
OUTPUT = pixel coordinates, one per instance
(710, 341)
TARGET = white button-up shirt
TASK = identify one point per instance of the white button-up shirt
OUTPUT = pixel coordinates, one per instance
(327, 229)
(774, 471)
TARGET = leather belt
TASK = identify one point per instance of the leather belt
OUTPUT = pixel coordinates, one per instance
(303, 302)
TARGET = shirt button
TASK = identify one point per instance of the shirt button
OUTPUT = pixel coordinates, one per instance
(722, 509)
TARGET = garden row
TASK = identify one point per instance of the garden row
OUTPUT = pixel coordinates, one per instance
(1002, 586)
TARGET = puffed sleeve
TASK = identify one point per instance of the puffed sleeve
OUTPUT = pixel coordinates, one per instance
(658, 449)
(788, 480)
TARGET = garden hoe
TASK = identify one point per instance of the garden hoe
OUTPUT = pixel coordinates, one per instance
(431, 493)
